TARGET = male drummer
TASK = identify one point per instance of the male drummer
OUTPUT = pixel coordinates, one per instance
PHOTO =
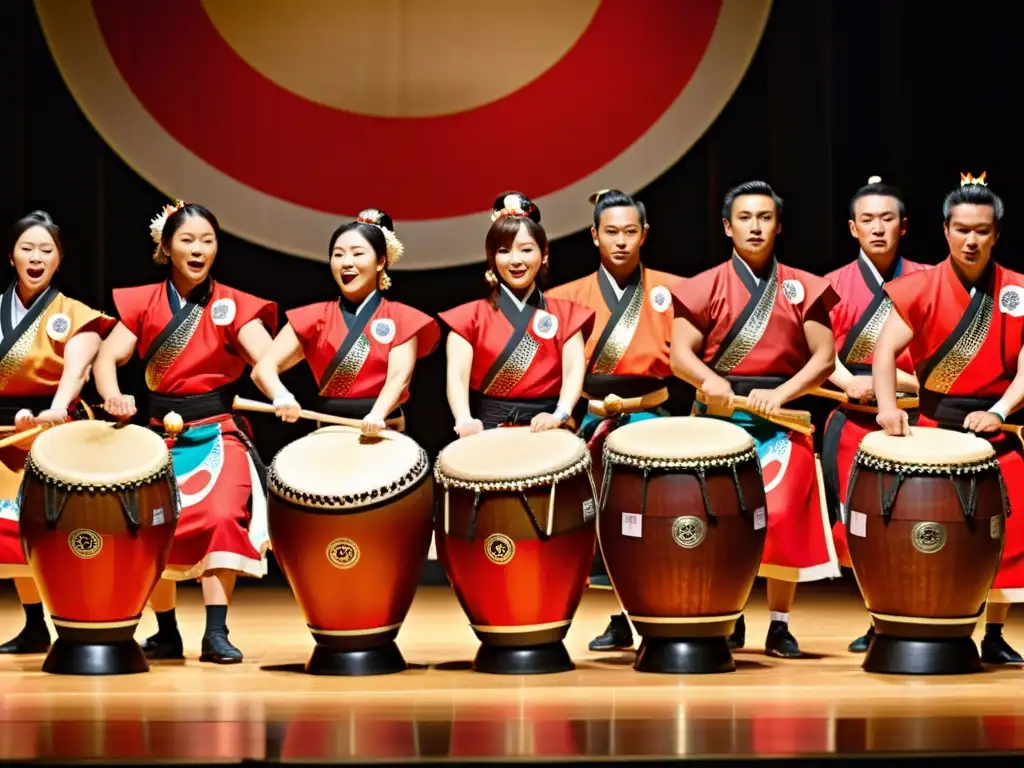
(628, 352)
(878, 220)
(755, 328)
(962, 324)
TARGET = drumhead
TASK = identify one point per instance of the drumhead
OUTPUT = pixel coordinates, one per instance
(335, 468)
(95, 454)
(679, 440)
(513, 457)
(928, 447)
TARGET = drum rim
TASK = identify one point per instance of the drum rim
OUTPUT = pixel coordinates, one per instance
(350, 501)
(871, 461)
(551, 477)
(720, 461)
(161, 472)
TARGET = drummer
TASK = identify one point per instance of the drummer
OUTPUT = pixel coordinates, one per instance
(195, 337)
(628, 352)
(517, 353)
(47, 344)
(758, 328)
(361, 348)
(962, 324)
(878, 220)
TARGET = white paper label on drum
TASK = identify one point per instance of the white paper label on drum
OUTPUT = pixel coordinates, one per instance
(632, 525)
(158, 516)
(858, 524)
(589, 509)
(760, 518)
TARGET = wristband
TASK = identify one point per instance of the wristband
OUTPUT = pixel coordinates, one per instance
(285, 398)
(561, 414)
(998, 412)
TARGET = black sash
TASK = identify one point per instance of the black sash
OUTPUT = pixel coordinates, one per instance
(356, 324)
(191, 407)
(200, 296)
(961, 328)
(13, 334)
(756, 289)
(520, 321)
(495, 411)
(617, 306)
(949, 411)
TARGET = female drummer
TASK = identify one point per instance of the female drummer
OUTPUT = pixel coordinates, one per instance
(519, 353)
(195, 337)
(47, 343)
(362, 348)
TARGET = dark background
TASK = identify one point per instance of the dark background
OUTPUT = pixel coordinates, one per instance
(838, 91)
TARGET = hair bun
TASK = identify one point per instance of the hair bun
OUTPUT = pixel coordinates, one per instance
(874, 180)
(514, 204)
(377, 217)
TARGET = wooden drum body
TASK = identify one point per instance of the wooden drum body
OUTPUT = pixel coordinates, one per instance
(350, 525)
(99, 507)
(925, 524)
(682, 527)
(516, 537)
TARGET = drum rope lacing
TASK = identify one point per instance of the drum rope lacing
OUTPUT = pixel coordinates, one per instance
(968, 471)
(519, 484)
(102, 487)
(702, 462)
(286, 491)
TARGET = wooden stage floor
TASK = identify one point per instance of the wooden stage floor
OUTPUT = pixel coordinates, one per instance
(267, 709)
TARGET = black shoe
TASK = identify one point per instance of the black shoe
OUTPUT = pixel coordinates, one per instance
(617, 636)
(738, 638)
(995, 650)
(218, 649)
(29, 640)
(780, 642)
(161, 647)
(862, 643)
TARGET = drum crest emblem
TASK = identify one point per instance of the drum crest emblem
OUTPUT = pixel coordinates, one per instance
(688, 531)
(343, 553)
(928, 538)
(499, 548)
(84, 543)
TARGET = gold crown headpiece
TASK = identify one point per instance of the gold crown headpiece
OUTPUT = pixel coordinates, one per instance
(395, 249)
(156, 228)
(968, 179)
(594, 198)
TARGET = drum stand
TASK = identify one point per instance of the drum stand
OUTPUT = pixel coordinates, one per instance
(543, 659)
(674, 656)
(892, 655)
(94, 651)
(355, 655)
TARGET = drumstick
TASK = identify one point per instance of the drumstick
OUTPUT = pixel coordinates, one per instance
(903, 403)
(797, 421)
(19, 436)
(245, 404)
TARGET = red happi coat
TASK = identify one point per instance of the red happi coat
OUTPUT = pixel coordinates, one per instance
(517, 354)
(348, 353)
(755, 329)
(194, 350)
(941, 311)
(856, 322)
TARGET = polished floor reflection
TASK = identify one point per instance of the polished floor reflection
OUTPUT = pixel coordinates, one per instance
(267, 709)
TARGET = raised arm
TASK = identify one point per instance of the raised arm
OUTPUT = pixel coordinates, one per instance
(284, 352)
(79, 354)
(116, 350)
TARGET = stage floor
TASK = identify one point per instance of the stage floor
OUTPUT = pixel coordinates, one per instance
(267, 709)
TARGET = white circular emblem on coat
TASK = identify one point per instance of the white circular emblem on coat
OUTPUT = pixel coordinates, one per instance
(223, 311)
(545, 325)
(1011, 300)
(793, 290)
(661, 298)
(383, 330)
(58, 327)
